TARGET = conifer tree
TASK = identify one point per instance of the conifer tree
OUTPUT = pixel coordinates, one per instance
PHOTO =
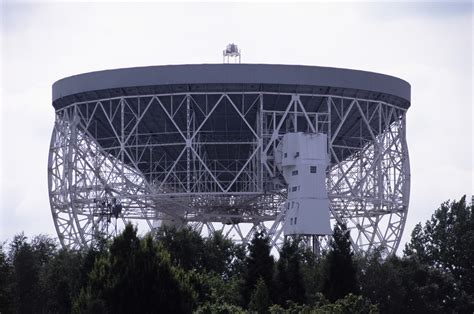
(340, 274)
(260, 299)
(289, 280)
(258, 264)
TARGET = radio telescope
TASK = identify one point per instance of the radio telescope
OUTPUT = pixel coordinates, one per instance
(233, 147)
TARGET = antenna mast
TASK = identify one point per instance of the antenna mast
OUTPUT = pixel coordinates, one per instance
(231, 51)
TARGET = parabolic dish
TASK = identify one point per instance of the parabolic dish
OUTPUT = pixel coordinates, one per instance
(195, 144)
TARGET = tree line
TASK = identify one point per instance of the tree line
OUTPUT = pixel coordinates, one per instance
(178, 271)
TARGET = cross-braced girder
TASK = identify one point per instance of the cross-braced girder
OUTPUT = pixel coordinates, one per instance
(207, 159)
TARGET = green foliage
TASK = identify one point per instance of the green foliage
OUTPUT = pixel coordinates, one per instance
(60, 281)
(348, 305)
(212, 289)
(26, 288)
(406, 285)
(6, 273)
(289, 279)
(190, 251)
(219, 308)
(446, 243)
(180, 272)
(381, 283)
(276, 309)
(340, 273)
(258, 264)
(87, 302)
(136, 277)
(260, 298)
(219, 254)
(36, 277)
(27, 261)
(185, 247)
(312, 274)
(237, 267)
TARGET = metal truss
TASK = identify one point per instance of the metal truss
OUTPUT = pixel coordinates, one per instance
(207, 160)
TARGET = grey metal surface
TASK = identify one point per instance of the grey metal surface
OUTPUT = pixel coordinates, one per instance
(230, 77)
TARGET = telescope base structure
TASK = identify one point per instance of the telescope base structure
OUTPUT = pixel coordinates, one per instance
(209, 160)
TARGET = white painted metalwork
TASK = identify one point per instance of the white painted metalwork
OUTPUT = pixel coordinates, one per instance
(105, 163)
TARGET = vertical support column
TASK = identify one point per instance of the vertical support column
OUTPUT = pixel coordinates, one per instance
(295, 99)
(329, 133)
(193, 157)
(316, 122)
(188, 144)
(122, 133)
(316, 246)
(260, 134)
(70, 168)
(274, 143)
(378, 158)
(405, 168)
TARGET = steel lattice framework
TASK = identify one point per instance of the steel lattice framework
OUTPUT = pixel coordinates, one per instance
(207, 159)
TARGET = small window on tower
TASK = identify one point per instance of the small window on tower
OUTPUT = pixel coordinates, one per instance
(295, 220)
(294, 172)
(285, 155)
(293, 189)
(312, 169)
(291, 221)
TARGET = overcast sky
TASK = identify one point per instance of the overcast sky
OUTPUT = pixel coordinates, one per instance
(430, 45)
